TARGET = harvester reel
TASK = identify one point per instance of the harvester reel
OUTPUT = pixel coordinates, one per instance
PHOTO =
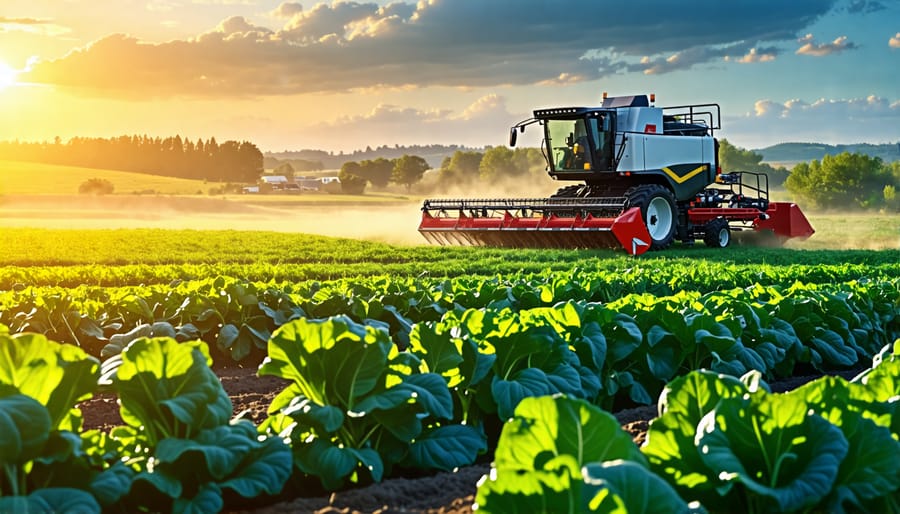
(717, 233)
(568, 192)
(658, 209)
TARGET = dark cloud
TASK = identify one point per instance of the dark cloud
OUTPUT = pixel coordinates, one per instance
(865, 6)
(467, 43)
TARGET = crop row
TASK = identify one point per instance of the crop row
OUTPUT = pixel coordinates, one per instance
(236, 317)
(32, 247)
(356, 408)
(661, 276)
(720, 444)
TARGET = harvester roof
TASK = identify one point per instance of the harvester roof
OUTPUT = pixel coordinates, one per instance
(609, 103)
(565, 112)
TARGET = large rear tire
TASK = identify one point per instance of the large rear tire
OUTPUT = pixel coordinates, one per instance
(658, 209)
(717, 234)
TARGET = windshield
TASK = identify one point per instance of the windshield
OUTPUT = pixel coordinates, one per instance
(580, 144)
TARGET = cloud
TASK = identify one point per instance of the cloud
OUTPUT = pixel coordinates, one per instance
(345, 45)
(32, 26)
(758, 55)
(809, 47)
(822, 120)
(485, 121)
(894, 42)
(865, 6)
(287, 10)
(162, 6)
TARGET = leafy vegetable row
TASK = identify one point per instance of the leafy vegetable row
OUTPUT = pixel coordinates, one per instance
(356, 407)
(720, 444)
(774, 328)
(178, 451)
(663, 275)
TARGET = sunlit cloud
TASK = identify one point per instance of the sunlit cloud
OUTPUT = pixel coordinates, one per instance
(287, 9)
(484, 121)
(894, 42)
(810, 47)
(816, 121)
(162, 5)
(757, 55)
(32, 26)
(223, 2)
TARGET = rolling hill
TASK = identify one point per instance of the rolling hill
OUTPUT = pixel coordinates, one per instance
(792, 153)
(28, 178)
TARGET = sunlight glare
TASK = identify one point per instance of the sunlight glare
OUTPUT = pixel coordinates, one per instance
(7, 76)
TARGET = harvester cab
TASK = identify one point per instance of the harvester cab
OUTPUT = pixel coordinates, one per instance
(645, 176)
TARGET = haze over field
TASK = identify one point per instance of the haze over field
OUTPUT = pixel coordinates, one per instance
(344, 75)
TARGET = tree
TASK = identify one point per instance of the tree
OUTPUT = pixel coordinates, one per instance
(732, 158)
(460, 168)
(891, 200)
(285, 169)
(351, 181)
(497, 162)
(377, 171)
(96, 186)
(409, 170)
(841, 180)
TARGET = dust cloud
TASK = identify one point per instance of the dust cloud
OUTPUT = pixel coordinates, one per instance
(394, 223)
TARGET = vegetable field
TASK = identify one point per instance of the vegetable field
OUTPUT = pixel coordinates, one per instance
(402, 361)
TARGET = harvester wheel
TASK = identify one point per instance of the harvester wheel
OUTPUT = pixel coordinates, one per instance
(657, 205)
(717, 233)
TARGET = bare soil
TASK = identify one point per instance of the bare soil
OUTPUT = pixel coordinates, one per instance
(438, 493)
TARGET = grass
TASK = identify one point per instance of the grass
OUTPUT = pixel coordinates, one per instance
(145, 256)
(31, 178)
(853, 230)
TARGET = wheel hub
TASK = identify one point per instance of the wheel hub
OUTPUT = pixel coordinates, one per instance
(660, 219)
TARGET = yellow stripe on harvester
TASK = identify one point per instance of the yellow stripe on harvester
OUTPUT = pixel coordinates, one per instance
(687, 177)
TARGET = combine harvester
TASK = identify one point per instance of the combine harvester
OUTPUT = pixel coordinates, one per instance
(647, 176)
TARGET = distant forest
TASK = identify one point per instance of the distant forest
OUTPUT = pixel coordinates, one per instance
(315, 160)
(230, 161)
(790, 153)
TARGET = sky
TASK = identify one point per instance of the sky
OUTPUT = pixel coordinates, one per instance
(341, 76)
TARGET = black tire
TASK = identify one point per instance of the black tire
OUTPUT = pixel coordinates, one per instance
(717, 233)
(658, 210)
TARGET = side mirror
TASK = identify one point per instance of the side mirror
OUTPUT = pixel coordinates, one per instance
(512, 136)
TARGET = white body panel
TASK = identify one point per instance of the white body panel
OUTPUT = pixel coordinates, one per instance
(639, 119)
(654, 151)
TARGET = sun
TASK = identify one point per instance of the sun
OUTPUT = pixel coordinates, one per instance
(7, 76)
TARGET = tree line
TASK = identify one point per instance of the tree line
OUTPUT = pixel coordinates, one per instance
(845, 180)
(313, 160)
(465, 168)
(406, 170)
(230, 161)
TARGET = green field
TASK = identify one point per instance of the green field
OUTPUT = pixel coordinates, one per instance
(433, 350)
(144, 256)
(31, 178)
